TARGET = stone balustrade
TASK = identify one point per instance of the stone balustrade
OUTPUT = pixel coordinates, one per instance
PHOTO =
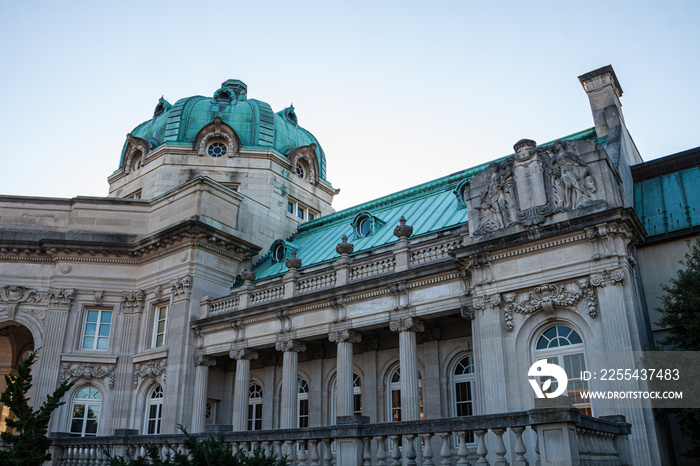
(554, 434)
(316, 282)
(376, 267)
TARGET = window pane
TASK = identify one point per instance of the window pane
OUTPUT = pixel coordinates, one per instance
(160, 340)
(93, 412)
(90, 330)
(92, 316)
(88, 342)
(357, 404)
(76, 426)
(91, 427)
(106, 317)
(102, 343)
(104, 330)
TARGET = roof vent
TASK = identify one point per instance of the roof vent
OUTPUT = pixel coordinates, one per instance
(238, 87)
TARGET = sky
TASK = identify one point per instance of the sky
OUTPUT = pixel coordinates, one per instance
(397, 93)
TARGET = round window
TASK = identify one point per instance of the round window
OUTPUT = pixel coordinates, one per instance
(364, 227)
(217, 149)
(278, 252)
(299, 170)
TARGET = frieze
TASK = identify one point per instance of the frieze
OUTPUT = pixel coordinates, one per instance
(530, 186)
(153, 369)
(88, 371)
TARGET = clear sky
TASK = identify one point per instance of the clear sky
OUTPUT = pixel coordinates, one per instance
(397, 93)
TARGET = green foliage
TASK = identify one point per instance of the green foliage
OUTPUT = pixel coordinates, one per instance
(209, 451)
(29, 447)
(680, 312)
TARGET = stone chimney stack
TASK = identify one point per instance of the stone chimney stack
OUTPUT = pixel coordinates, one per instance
(604, 92)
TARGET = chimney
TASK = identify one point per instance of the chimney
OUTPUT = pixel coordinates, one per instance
(604, 92)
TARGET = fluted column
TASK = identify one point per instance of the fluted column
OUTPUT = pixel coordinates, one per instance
(290, 361)
(407, 327)
(241, 387)
(344, 386)
(201, 383)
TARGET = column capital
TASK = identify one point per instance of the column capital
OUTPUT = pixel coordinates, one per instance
(243, 353)
(342, 336)
(203, 360)
(290, 344)
(406, 324)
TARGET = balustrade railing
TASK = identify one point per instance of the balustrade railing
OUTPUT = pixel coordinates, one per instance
(316, 282)
(373, 268)
(511, 438)
(267, 294)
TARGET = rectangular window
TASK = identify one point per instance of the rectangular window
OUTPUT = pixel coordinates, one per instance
(159, 326)
(97, 326)
(300, 212)
(303, 413)
(290, 207)
(311, 216)
(255, 416)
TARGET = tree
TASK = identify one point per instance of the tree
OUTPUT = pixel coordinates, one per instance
(680, 312)
(29, 445)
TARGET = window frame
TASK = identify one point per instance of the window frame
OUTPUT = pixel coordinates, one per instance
(469, 378)
(155, 333)
(157, 402)
(559, 353)
(86, 403)
(396, 387)
(301, 397)
(255, 407)
(96, 337)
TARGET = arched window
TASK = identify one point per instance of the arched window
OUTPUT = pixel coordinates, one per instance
(255, 399)
(86, 412)
(303, 402)
(463, 385)
(562, 345)
(394, 402)
(356, 397)
(154, 410)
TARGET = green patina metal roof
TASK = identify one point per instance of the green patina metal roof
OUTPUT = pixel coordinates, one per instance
(429, 208)
(256, 125)
(670, 202)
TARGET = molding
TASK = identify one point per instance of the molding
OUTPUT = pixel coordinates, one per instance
(87, 371)
(155, 370)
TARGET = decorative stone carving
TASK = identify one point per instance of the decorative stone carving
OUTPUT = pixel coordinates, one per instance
(132, 301)
(38, 314)
(293, 262)
(305, 156)
(247, 276)
(217, 129)
(616, 277)
(338, 306)
(482, 302)
(344, 248)
(181, 287)
(158, 292)
(243, 353)
(135, 148)
(545, 297)
(403, 231)
(401, 296)
(204, 360)
(58, 298)
(290, 344)
(238, 330)
(406, 324)
(350, 336)
(285, 320)
(530, 186)
(88, 371)
(153, 369)
(98, 297)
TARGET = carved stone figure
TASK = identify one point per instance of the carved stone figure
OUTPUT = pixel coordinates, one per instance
(497, 200)
(568, 173)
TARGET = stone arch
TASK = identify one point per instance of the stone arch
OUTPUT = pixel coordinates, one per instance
(305, 157)
(135, 148)
(217, 129)
(14, 340)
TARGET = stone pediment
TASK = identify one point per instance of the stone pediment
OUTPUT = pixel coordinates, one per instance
(540, 185)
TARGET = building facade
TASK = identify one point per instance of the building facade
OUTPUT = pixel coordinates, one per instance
(216, 288)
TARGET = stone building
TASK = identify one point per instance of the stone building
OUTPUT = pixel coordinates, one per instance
(215, 287)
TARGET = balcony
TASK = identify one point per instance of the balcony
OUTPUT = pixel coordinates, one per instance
(552, 433)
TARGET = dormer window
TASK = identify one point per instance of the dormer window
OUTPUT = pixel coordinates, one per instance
(366, 224)
(217, 149)
(278, 251)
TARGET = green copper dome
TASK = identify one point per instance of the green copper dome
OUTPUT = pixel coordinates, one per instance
(254, 122)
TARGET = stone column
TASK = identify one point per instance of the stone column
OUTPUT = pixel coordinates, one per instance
(344, 386)
(290, 361)
(407, 327)
(241, 387)
(201, 383)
